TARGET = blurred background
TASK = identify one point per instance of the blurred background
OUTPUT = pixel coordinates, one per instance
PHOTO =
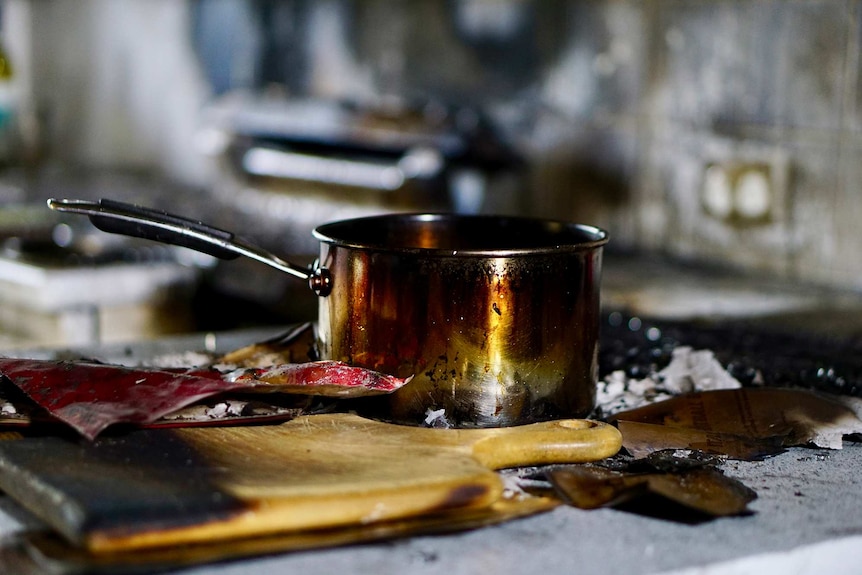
(716, 131)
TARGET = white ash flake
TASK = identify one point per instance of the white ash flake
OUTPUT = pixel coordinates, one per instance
(436, 418)
(226, 408)
(204, 412)
(181, 360)
(216, 411)
(195, 412)
(689, 370)
(516, 481)
(234, 375)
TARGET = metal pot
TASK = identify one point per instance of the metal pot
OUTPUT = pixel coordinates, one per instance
(496, 318)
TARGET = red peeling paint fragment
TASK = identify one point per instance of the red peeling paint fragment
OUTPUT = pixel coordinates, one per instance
(326, 378)
(91, 396)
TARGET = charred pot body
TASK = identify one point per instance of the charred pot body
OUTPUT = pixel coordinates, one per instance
(496, 319)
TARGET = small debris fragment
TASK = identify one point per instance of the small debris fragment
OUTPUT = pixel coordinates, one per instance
(436, 418)
(676, 485)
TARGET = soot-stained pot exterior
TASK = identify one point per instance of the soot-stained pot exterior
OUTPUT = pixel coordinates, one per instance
(496, 319)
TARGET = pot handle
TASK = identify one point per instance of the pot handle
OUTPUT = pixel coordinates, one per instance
(137, 221)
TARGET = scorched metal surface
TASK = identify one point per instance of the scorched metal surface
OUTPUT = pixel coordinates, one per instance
(495, 318)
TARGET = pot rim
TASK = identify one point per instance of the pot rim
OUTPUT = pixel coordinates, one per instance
(333, 233)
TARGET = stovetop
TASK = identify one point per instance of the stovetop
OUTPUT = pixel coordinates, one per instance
(752, 353)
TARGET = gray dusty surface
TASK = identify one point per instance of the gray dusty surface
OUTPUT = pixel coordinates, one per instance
(808, 515)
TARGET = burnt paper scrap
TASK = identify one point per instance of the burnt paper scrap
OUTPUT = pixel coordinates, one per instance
(642, 439)
(298, 345)
(679, 485)
(739, 423)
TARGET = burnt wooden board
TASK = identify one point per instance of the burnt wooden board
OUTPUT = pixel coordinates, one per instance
(41, 552)
(153, 488)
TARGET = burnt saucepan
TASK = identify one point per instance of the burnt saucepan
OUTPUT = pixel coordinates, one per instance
(496, 318)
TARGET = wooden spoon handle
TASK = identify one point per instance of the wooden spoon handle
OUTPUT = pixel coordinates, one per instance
(563, 441)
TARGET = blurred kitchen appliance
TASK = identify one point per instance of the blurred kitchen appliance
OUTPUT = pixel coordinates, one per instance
(61, 285)
(285, 166)
(296, 163)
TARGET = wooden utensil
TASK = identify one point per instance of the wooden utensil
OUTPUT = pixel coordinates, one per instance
(152, 488)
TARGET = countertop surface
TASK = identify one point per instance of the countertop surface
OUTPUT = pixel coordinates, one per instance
(807, 517)
(661, 288)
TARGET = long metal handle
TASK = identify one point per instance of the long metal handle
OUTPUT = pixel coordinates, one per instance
(137, 221)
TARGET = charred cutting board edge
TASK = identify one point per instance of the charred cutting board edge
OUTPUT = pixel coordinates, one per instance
(165, 487)
(273, 515)
(52, 554)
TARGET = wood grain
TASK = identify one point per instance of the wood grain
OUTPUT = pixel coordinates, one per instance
(154, 488)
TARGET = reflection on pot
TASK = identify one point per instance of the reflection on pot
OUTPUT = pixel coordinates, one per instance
(492, 337)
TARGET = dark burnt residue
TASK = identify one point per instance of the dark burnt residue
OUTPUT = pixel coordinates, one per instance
(754, 355)
(106, 486)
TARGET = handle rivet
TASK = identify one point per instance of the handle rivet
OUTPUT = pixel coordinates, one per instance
(320, 281)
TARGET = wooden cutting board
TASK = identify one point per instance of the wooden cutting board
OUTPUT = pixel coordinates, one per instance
(46, 552)
(152, 488)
